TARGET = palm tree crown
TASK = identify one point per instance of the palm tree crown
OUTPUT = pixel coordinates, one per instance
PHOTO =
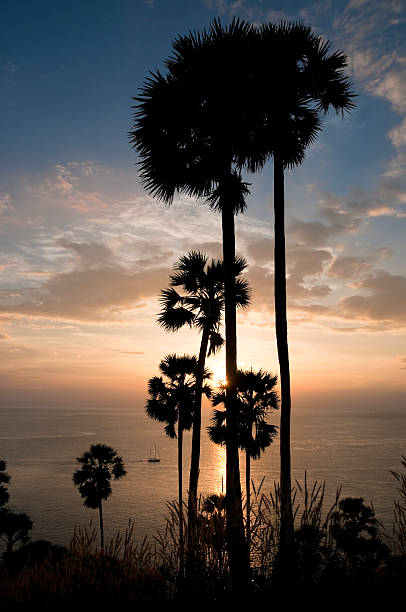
(93, 479)
(305, 81)
(171, 396)
(192, 128)
(256, 399)
(201, 302)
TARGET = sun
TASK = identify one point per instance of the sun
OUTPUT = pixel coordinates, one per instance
(219, 373)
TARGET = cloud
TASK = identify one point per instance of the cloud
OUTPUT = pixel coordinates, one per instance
(347, 214)
(261, 250)
(129, 352)
(95, 290)
(261, 281)
(5, 203)
(398, 135)
(305, 266)
(384, 301)
(62, 188)
(393, 86)
(348, 268)
(402, 361)
(397, 166)
(371, 34)
(310, 233)
(3, 336)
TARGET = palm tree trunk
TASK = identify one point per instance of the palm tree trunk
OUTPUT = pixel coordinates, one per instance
(286, 535)
(236, 544)
(248, 493)
(180, 498)
(101, 526)
(197, 423)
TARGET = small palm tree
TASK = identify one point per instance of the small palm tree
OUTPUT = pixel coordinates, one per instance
(256, 398)
(93, 479)
(171, 401)
(199, 304)
(4, 480)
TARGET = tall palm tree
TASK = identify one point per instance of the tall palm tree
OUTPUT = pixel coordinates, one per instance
(4, 480)
(200, 305)
(256, 398)
(193, 133)
(306, 80)
(93, 479)
(171, 401)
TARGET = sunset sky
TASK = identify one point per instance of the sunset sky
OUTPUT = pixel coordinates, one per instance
(85, 252)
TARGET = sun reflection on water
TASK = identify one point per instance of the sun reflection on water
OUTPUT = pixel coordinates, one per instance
(219, 465)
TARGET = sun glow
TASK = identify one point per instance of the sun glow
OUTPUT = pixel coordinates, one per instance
(219, 374)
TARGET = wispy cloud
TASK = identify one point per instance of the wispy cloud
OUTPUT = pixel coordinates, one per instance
(379, 68)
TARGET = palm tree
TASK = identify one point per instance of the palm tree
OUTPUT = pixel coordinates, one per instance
(308, 81)
(193, 133)
(4, 480)
(171, 401)
(199, 305)
(93, 479)
(256, 398)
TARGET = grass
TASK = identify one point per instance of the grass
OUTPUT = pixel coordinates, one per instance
(337, 546)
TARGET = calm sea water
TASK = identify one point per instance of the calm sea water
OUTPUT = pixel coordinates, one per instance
(355, 449)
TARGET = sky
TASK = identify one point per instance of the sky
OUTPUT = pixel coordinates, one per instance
(84, 251)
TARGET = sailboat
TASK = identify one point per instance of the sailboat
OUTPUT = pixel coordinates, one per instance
(155, 458)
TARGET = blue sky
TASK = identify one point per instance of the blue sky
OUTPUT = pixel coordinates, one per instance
(84, 251)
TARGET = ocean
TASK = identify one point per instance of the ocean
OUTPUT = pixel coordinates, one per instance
(355, 449)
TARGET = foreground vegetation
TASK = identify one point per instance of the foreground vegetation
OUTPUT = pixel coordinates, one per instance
(341, 548)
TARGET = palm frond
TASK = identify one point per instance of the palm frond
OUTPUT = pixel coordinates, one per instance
(216, 341)
(173, 319)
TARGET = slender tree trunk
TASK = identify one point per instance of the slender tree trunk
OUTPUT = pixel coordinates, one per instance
(237, 550)
(286, 535)
(197, 423)
(248, 493)
(180, 499)
(101, 526)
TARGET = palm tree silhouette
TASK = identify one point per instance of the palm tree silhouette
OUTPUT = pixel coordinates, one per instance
(193, 134)
(256, 398)
(93, 479)
(308, 80)
(171, 401)
(199, 305)
(4, 480)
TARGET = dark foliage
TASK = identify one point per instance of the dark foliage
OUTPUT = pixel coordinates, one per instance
(14, 528)
(4, 480)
